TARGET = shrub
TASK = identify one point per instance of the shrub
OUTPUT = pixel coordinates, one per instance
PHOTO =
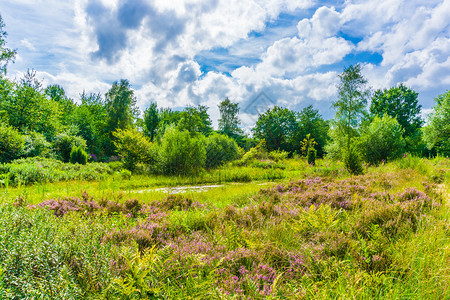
(11, 143)
(180, 153)
(36, 145)
(63, 144)
(78, 155)
(220, 149)
(278, 155)
(312, 156)
(133, 147)
(352, 160)
(382, 140)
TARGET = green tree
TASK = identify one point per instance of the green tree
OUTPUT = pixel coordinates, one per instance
(181, 153)
(29, 110)
(220, 149)
(277, 126)
(122, 111)
(133, 147)
(11, 143)
(401, 103)
(57, 94)
(437, 132)
(6, 55)
(91, 117)
(195, 120)
(311, 122)
(121, 106)
(382, 140)
(352, 101)
(151, 121)
(229, 120)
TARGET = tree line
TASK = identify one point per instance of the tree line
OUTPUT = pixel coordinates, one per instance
(38, 121)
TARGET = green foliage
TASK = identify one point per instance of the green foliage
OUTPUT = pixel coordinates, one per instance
(352, 100)
(151, 121)
(181, 153)
(401, 103)
(382, 140)
(57, 94)
(11, 143)
(36, 145)
(437, 132)
(277, 127)
(195, 120)
(63, 144)
(307, 143)
(311, 123)
(352, 160)
(78, 155)
(40, 170)
(229, 119)
(134, 148)
(29, 110)
(312, 153)
(91, 118)
(219, 150)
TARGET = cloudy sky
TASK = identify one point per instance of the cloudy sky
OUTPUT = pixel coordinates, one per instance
(189, 52)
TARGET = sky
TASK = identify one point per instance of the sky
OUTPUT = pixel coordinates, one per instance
(258, 53)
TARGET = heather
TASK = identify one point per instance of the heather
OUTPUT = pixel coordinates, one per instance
(315, 234)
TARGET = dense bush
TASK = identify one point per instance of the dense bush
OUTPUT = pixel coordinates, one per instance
(352, 160)
(36, 169)
(181, 153)
(36, 145)
(63, 144)
(78, 155)
(11, 143)
(311, 156)
(134, 148)
(220, 149)
(382, 139)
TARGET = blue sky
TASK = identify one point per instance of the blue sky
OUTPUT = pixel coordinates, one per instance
(189, 52)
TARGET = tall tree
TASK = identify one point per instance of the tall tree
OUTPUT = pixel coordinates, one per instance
(121, 106)
(6, 55)
(277, 126)
(29, 110)
(352, 101)
(399, 102)
(57, 94)
(195, 119)
(437, 132)
(311, 122)
(229, 120)
(151, 121)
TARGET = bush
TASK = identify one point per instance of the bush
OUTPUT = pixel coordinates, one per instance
(134, 148)
(38, 169)
(352, 161)
(312, 156)
(220, 149)
(63, 144)
(78, 155)
(180, 153)
(11, 143)
(382, 140)
(36, 145)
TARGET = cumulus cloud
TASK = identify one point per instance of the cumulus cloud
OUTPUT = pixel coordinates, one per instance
(292, 50)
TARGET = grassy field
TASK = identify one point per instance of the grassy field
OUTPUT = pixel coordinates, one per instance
(284, 231)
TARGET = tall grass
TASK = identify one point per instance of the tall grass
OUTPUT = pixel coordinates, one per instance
(324, 234)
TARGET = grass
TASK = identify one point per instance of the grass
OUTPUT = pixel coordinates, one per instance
(282, 233)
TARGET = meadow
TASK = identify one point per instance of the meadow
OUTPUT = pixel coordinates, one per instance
(266, 230)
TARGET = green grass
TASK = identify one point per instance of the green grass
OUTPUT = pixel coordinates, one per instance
(297, 232)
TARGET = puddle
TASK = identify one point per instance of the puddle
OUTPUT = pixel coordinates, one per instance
(181, 189)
